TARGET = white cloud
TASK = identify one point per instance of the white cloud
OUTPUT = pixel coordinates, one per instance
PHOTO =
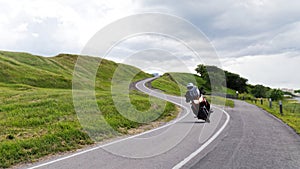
(21, 28)
(156, 51)
(243, 32)
(61, 26)
(258, 39)
(277, 70)
(36, 35)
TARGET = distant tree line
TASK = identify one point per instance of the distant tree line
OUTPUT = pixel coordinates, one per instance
(215, 75)
(297, 91)
(261, 91)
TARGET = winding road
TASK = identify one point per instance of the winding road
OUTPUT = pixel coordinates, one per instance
(240, 137)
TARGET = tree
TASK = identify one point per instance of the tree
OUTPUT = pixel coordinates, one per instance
(235, 82)
(260, 91)
(297, 91)
(215, 75)
(217, 80)
(201, 69)
(276, 94)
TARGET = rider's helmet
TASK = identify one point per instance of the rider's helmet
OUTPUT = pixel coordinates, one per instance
(190, 86)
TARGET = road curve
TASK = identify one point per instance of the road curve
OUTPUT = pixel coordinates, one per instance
(171, 145)
(252, 138)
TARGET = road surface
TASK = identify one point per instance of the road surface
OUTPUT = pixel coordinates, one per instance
(242, 137)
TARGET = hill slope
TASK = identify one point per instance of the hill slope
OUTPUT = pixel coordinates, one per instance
(175, 84)
(37, 115)
(55, 72)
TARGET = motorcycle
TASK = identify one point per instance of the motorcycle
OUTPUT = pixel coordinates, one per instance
(200, 110)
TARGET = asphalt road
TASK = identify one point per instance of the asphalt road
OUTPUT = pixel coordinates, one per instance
(253, 139)
(246, 138)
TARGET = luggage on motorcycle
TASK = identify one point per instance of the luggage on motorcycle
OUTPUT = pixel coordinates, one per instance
(199, 108)
(203, 112)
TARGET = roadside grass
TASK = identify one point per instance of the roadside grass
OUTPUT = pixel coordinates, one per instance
(174, 84)
(166, 85)
(36, 122)
(291, 111)
(230, 91)
(37, 115)
(217, 100)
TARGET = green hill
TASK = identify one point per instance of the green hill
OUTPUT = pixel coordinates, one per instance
(55, 72)
(175, 84)
(37, 116)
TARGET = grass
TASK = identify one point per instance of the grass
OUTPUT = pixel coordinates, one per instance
(37, 115)
(217, 100)
(36, 122)
(291, 111)
(165, 84)
(174, 84)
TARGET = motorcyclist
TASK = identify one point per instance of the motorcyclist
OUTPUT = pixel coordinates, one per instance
(194, 93)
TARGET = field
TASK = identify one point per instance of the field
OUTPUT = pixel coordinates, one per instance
(37, 116)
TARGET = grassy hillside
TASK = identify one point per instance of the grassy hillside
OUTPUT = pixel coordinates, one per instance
(22, 68)
(37, 115)
(175, 84)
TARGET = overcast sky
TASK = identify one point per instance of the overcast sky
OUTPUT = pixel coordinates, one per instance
(258, 39)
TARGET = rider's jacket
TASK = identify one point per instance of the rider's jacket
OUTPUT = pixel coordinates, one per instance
(193, 94)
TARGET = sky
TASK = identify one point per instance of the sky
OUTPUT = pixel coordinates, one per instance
(258, 39)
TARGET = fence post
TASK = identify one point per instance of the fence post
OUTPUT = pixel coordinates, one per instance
(280, 107)
(261, 101)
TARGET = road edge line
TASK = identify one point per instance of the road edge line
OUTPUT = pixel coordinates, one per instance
(113, 142)
(203, 146)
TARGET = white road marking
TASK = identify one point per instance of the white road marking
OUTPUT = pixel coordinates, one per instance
(114, 142)
(117, 141)
(202, 147)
